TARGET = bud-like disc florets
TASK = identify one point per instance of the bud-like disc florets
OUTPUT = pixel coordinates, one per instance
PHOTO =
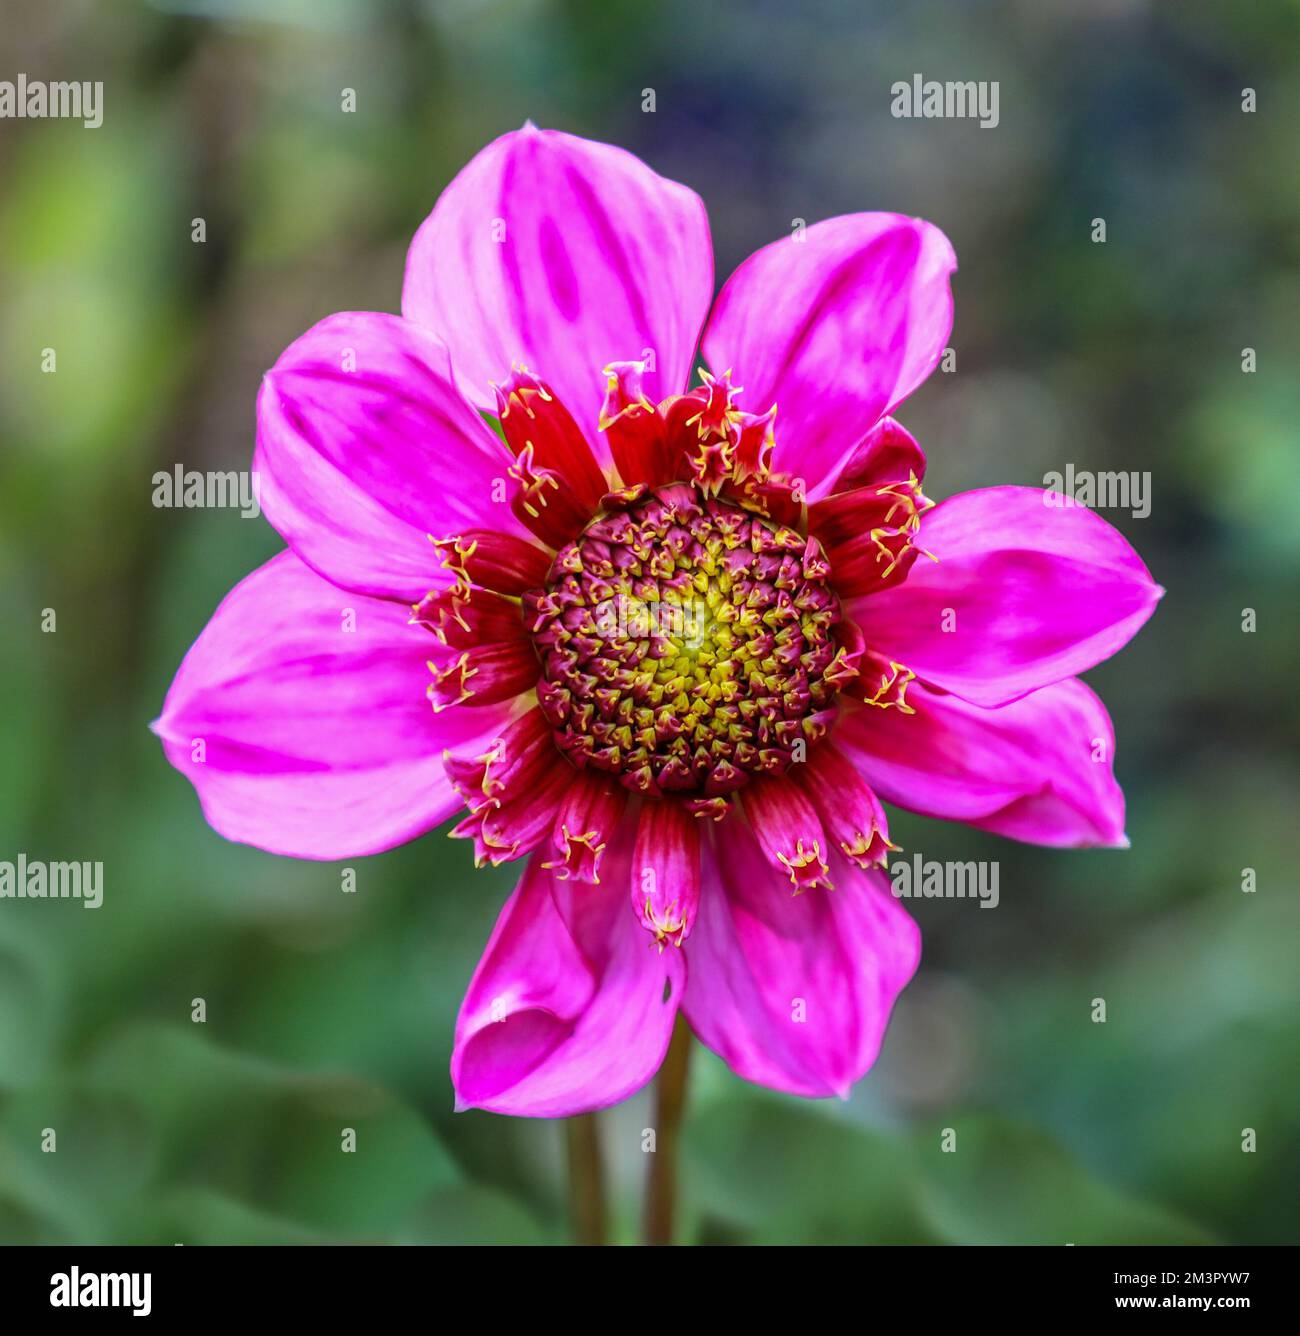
(685, 643)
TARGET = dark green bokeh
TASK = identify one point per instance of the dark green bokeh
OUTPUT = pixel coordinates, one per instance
(327, 1010)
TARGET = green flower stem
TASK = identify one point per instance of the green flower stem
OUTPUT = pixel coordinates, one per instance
(661, 1187)
(586, 1179)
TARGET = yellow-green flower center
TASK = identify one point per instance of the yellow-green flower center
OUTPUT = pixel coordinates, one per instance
(686, 643)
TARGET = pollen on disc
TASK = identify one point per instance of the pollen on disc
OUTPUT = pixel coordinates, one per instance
(684, 644)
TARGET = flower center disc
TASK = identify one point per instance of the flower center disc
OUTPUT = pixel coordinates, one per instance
(684, 643)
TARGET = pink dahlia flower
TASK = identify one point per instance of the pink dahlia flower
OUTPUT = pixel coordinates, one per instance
(667, 651)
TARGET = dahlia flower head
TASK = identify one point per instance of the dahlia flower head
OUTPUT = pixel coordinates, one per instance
(667, 647)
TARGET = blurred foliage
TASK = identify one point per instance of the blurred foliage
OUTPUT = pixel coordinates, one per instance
(328, 1010)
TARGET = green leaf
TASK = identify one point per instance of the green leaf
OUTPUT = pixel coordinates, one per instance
(1008, 1184)
(786, 1173)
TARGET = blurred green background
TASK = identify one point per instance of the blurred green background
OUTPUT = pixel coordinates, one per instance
(327, 1009)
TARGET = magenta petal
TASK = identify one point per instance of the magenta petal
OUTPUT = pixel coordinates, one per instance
(308, 739)
(365, 449)
(888, 453)
(835, 326)
(1041, 769)
(1022, 594)
(572, 1005)
(794, 992)
(566, 255)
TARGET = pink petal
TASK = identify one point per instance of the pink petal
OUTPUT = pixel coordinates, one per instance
(566, 255)
(493, 560)
(634, 429)
(317, 741)
(513, 830)
(794, 992)
(532, 416)
(788, 831)
(571, 1007)
(666, 871)
(870, 534)
(888, 453)
(835, 327)
(359, 468)
(462, 617)
(850, 813)
(513, 790)
(1022, 594)
(482, 674)
(589, 814)
(1041, 769)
